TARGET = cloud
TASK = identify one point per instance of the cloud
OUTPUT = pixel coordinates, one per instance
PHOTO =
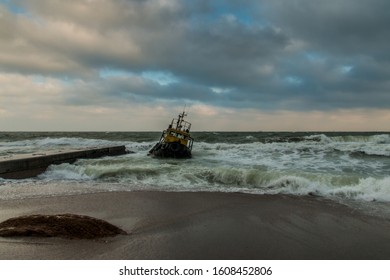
(337, 34)
(273, 56)
(336, 26)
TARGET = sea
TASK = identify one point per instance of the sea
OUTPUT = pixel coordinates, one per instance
(352, 168)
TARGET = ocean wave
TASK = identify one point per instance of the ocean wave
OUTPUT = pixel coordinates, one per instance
(142, 147)
(325, 139)
(66, 171)
(172, 175)
(367, 189)
(302, 155)
(377, 139)
(336, 187)
(296, 139)
(371, 154)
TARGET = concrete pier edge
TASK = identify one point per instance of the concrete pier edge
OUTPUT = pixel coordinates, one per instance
(34, 164)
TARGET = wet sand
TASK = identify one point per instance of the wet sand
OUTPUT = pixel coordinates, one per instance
(169, 225)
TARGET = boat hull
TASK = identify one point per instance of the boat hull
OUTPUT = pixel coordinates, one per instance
(170, 150)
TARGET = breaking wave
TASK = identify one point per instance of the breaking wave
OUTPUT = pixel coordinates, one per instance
(172, 176)
(377, 139)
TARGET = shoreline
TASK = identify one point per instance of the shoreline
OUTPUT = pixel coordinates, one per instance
(204, 225)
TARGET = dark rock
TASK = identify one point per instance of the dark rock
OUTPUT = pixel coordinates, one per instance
(63, 225)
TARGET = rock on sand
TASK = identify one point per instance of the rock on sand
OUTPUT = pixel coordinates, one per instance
(62, 225)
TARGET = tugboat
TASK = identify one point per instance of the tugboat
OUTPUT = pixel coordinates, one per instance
(175, 141)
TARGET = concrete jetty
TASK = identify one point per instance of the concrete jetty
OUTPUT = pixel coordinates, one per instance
(31, 165)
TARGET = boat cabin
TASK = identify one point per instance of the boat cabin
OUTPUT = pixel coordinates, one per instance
(178, 131)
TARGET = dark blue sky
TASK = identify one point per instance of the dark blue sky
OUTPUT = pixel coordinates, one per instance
(247, 65)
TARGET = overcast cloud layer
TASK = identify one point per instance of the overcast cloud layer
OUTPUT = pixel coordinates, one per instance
(247, 65)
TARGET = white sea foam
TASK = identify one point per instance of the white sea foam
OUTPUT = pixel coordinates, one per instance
(66, 171)
(299, 156)
(265, 179)
(378, 139)
(368, 189)
(319, 137)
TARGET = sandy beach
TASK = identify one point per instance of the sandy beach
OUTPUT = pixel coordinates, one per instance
(174, 225)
